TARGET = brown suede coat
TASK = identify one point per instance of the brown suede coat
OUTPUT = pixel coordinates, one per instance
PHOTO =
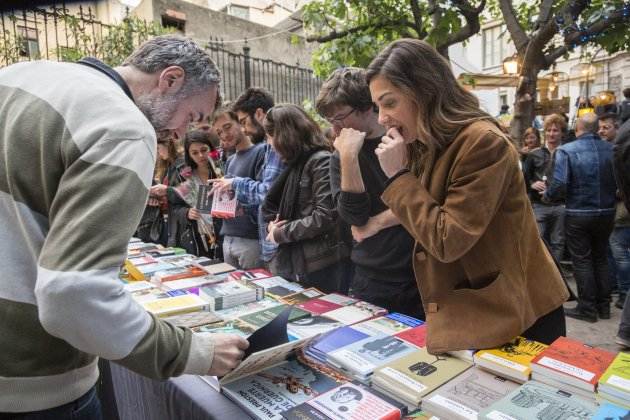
(483, 272)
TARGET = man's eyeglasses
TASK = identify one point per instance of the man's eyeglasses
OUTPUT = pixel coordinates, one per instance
(339, 118)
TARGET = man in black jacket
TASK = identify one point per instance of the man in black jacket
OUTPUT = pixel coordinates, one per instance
(383, 248)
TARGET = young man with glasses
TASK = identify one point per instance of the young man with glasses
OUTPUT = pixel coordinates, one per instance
(383, 248)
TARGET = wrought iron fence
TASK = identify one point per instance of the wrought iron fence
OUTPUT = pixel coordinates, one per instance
(58, 33)
(287, 83)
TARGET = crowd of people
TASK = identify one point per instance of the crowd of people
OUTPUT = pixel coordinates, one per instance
(413, 199)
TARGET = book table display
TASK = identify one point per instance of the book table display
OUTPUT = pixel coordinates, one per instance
(327, 356)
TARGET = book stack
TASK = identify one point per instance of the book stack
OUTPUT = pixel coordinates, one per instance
(348, 402)
(359, 360)
(229, 294)
(191, 283)
(614, 384)
(512, 360)
(413, 376)
(467, 394)
(571, 366)
(535, 400)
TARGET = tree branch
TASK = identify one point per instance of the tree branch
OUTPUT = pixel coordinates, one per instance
(555, 54)
(334, 34)
(576, 38)
(514, 27)
(472, 26)
(417, 15)
(545, 12)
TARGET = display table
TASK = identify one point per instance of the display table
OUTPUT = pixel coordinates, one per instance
(186, 397)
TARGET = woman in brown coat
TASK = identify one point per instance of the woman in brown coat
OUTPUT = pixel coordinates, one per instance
(483, 272)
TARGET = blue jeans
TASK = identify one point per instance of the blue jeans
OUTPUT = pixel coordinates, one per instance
(620, 247)
(550, 219)
(87, 407)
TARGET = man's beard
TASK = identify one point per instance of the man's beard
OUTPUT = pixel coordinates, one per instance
(259, 135)
(159, 110)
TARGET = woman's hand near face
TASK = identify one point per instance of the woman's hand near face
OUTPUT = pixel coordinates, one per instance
(392, 152)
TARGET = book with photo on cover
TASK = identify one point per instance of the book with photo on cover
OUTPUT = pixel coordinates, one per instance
(348, 401)
(311, 326)
(269, 392)
(224, 205)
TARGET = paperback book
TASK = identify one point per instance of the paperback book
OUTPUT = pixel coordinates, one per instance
(301, 297)
(573, 363)
(535, 400)
(276, 287)
(193, 319)
(229, 294)
(512, 360)
(608, 411)
(416, 336)
(175, 304)
(234, 326)
(467, 394)
(266, 394)
(311, 326)
(357, 312)
(415, 375)
(248, 275)
(615, 382)
(260, 318)
(248, 308)
(324, 345)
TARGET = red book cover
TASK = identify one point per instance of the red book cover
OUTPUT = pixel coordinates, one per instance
(576, 359)
(318, 306)
(416, 335)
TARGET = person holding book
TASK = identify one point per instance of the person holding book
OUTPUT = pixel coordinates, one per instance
(73, 187)
(299, 208)
(484, 274)
(241, 247)
(251, 108)
(381, 254)
(189, 228)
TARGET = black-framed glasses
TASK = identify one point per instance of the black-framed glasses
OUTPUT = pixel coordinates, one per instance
(339, 118)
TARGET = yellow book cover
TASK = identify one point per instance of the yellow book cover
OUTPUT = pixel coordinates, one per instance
(512, 359)
(133, 271)
(175, 304)
(618, 374)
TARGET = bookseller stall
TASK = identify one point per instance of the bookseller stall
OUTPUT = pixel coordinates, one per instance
(327, 356)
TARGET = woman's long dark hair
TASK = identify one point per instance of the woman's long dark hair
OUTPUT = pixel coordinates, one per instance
(198, 136)
(425, 77)
(294, 132)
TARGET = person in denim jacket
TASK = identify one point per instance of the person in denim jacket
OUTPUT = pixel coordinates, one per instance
(583, 173)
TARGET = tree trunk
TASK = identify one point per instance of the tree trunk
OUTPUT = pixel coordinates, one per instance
(525, 100)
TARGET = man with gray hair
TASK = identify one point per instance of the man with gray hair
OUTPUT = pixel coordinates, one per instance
(583, 173)
(77, 151)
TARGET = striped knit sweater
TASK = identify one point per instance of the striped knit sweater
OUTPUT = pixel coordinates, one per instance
(76, 160)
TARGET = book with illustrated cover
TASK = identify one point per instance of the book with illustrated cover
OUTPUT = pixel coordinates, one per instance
(416, 335)
(534, 400)
(361, 358)
(615, 381)
(276, 287)
(415, 375)
(216, 269)
(463, 397)
(204, 198)
(224, 205)
(301, 297)
(260, 318)
(229, 294)
(572, 362)
(248, 308)
(312, 326)
(357, 312)
(512, 360)
(351, 401)
(608, 411)
(176, 273)
(267, 393)
(193, 319)
(234, 326)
